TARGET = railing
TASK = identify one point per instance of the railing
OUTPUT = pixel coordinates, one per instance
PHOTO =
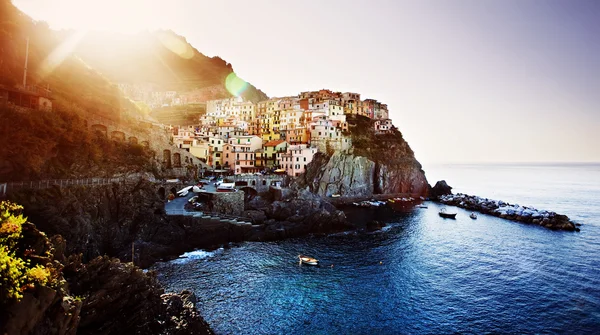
(42, 184)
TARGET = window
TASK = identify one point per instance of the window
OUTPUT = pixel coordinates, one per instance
(227, 155)
(305, 159)
(218, 154)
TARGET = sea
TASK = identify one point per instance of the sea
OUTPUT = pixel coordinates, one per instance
(421, 274)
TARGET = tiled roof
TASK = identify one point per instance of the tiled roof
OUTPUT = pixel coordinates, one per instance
(273, 143)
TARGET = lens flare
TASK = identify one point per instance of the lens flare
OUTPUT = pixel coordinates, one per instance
(176, 45)
(60, 53)
(235, 85)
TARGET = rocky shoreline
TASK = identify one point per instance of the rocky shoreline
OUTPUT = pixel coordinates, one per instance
(513, 212)
(102, 296)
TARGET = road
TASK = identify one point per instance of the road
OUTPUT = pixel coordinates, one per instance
(176, 206)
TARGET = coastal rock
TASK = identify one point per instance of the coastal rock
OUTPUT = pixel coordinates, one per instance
(440, 188)
(119, 298)
(351, 176)
(377, 164)
(507, 211)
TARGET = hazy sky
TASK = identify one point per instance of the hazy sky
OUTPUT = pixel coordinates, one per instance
(465, 81)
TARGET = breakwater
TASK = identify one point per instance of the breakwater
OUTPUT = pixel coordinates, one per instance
(514, 212)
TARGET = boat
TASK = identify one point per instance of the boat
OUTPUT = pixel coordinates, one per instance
(445, 215)
(226, 187)
(422, 206)
(184, 191)
(473, 216)
(308, 260)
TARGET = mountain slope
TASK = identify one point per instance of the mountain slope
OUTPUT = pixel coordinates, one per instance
(162, 58)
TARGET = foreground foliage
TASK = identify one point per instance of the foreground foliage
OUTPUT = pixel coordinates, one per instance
(17, 274)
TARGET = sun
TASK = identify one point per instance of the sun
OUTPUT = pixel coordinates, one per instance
(123, 16)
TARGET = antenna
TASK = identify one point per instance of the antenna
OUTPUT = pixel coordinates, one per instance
(25, 71)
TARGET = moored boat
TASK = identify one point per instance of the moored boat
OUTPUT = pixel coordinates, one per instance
(308, 260)
(473, 216)
(445, 215)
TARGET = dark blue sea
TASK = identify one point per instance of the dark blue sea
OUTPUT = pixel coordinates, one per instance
(422, 274)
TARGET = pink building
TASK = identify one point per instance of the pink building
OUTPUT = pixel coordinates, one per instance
(296, 159)
(239, 154)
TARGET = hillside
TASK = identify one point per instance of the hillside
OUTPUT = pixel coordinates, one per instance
(74, 85)
(38, 144)
(161, 58)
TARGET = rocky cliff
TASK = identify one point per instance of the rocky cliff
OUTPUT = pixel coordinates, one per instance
(377, 164)
(104, 296)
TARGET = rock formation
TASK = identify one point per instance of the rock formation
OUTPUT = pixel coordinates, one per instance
(508, 211)
(377, 164)
(440, 188)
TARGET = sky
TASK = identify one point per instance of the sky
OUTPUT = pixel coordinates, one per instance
(466, 81)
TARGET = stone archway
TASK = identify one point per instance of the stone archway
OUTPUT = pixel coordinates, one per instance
(177, 160)
(133, 140)
(167, 158)
(249, 193)
(117, 136)
(100, 128)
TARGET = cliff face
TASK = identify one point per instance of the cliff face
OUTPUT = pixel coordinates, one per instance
(377, 164)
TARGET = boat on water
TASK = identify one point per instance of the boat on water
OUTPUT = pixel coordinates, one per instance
(308, 260)
(446, 215)
(473, 216)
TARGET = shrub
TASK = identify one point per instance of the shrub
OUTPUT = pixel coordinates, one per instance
(16, 273)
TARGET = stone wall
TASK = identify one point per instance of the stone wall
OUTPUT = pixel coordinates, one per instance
(227, 203)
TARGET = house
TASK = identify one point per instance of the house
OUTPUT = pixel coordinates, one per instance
(270, 151)
(215, 152)
(33, 97)
(295, 160)
(200, 149)
(239, 153)
(328, 135)
(383, 126)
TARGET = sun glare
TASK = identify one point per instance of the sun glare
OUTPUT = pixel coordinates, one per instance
(60, 53)
(107, 15)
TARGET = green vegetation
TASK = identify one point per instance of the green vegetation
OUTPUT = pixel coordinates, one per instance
(17, 274)
(375, 147)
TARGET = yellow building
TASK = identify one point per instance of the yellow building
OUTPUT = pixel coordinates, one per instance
(271, 136)
(270, 151)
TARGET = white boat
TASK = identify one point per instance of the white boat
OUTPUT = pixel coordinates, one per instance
(184, 191)
(473, 216)
(226, 187)
(308, 260)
